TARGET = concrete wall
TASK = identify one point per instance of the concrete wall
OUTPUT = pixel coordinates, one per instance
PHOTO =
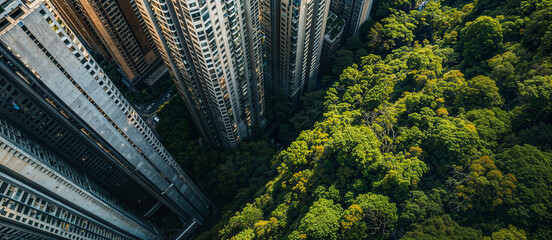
(30, 168)
(96, 104)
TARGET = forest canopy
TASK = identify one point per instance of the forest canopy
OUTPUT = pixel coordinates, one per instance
(438, 127)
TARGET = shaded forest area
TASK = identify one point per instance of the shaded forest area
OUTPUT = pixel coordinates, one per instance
(228, 177)
(436, 125)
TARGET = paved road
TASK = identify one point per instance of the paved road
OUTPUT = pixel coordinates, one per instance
(149, 108)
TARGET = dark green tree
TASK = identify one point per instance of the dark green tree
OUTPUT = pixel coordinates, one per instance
(533, 170)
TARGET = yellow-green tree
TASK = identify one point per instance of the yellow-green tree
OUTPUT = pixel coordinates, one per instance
(370, 216)
(321, 221)
(485, 185)
(510, 233)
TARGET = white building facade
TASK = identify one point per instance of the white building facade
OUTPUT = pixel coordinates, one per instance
(213, 49)
(295, 32)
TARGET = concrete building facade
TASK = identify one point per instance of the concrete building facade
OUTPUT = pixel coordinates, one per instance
(55, 94)
(332, 41)
(114, 29)
(354, 12)
(213, 50)
(27, 166)
(294, 31)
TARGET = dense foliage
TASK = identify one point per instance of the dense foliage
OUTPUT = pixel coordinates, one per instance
(439, 127)
(228, 177)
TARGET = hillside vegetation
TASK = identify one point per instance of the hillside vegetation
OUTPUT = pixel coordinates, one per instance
(440, 129)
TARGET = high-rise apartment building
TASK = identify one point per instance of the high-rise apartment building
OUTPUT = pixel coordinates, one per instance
(76, 160)
(354, 12)
(332, 41)
(114, 29)
(294, 31)
(213, 50)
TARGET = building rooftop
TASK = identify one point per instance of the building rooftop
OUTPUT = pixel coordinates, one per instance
(334, 26)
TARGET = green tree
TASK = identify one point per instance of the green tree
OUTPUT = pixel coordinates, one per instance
(503, 71)
(243, 220)
(449, 87)
(296, 155)
(384, 8)
(313, 106)
(450, 140)
(367, 86)
(538, 33)
(480, 39)
(353, 43)
(357, 148)
(342, 59)
(537, 93)
(277, 106)
(266, 228)
(441, 227)
(321, 221)
(370, 216)
(392, 32)
(510, 233)
(480, 91)
(538, 135)
(533, 170)
(491, 124)
(247, 234)
(400, 173)
(359, 54)
(419, 206)
(486, 186)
